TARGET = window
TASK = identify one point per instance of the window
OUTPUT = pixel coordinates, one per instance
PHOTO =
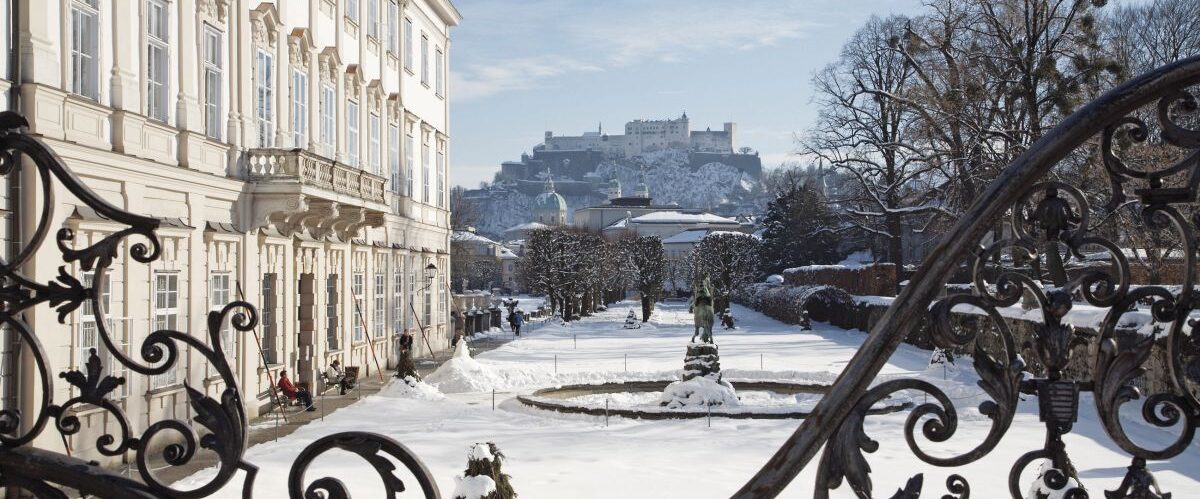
(392, 34)
(331, 311)
(380, 303)
(213, 79)
(425, 60)
(426, 176)
(412, 292)
(300, 109)
(428, 320)
(374, 145)
(218, 292)
(394, 156)
(408, 161)
(441, 178)
(270, 329)
(408, 44)
(157, 63)
(437, 73)
(166, 316)
(85, 48)
(328, 119)
(352, 132)
(88, 331)
(359, 287)
(352, 10)
(264, 97)
(373, 19)
(397, 299)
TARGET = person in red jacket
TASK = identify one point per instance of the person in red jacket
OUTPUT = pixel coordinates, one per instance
(290, 391)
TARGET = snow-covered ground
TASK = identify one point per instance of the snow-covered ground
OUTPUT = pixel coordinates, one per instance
(559, 456)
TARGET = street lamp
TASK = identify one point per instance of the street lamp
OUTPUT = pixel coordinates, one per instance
(430, 274)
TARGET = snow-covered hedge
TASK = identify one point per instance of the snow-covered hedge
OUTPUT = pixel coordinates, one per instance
(874, 279)
(790, 303)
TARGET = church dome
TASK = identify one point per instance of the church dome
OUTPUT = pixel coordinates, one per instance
(549, 207)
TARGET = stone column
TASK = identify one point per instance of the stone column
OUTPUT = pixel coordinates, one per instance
(127, 46)
(189, 47)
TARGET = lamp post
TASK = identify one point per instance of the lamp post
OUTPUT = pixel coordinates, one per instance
(430, 274)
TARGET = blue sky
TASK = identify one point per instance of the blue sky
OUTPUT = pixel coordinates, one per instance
(521, 67)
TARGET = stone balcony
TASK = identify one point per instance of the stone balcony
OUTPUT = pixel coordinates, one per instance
(298, 192)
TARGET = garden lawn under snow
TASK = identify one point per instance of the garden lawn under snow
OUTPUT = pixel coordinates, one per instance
(556, 456)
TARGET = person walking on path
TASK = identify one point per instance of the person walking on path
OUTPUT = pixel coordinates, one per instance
(518, 319)
(290, 391)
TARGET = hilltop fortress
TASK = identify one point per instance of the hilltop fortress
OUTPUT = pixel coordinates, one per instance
(647, 136)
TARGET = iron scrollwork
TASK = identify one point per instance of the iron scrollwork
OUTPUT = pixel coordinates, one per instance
(1050, 223)
(219, 425)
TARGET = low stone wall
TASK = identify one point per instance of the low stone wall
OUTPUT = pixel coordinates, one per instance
(864, 312)
(879, 279)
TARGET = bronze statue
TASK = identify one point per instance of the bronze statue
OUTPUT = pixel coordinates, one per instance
(701, 306)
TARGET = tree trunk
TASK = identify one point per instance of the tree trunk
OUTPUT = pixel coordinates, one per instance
(895, 240)
(647, 307)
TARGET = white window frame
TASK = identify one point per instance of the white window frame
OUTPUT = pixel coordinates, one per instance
(373, 19)
(300, 109)
(214, 81)
(220, 293)
(425, 60)
(158, 59)
(380, 303)
(441, 177)
(165, 315)
(426, 168)
(352, 10)
(409, 162)
(329, 118)
(394, 155)
(392, 28)
(429, 304)
(374, 146)
(398, 297)
(412, 292)
(352, 136)
(408, 44)
(437, 72)
(85, 48)
(333, 339)
(357, 290)
(264, 97)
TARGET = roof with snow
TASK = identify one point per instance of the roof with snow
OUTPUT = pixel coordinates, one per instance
(691, 236)
(528, 226)
(677, 217)
(507, 254)
(466, 236)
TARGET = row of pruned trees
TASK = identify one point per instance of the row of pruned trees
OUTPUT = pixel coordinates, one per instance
(919, 114)
(579, 271)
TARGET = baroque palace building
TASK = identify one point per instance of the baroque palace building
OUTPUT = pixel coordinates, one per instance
(297, 155)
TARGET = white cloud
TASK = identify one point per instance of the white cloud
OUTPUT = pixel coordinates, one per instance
(589, 36)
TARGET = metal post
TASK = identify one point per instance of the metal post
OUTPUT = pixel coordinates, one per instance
(626, 362)
(760, 362)
(493, 399)
(709, 407)
(575, 341)
(606, 412)
(555, 363)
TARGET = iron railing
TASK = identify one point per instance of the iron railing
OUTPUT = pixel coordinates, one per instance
(1167, 193)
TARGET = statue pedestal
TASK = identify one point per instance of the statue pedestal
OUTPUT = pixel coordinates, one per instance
(702, 359)
(702, 385)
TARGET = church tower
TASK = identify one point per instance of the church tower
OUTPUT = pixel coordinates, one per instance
(549, 207)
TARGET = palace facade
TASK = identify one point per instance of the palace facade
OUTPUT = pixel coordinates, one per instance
(296, 153)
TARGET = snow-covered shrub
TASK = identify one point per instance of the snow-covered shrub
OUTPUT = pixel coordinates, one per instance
(701, 391)
(483, 478)
(794, 304)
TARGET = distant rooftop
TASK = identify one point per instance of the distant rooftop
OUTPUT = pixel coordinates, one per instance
(677, 217)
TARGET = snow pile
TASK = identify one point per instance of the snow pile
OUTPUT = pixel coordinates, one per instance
(700, 391)
(474, 487)
(411, 388)
(483, 478)
(463, 374)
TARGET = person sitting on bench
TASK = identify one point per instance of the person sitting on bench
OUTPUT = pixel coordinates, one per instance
(290, 391)
(335, 375)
